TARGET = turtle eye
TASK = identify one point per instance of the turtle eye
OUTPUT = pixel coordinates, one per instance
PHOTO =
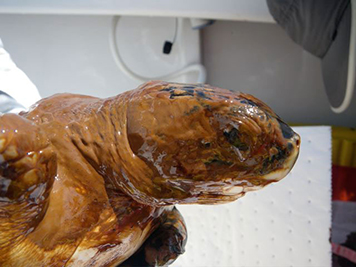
(206, 144)
(234, 138)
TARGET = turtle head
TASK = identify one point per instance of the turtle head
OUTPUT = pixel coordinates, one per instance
(208, 145)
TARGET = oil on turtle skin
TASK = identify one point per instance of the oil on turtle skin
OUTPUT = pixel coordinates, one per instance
(93, 182)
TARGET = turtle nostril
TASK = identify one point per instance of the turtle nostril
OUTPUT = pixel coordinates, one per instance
(296, 140)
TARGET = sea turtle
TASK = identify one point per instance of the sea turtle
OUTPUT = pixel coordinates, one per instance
(93, 182)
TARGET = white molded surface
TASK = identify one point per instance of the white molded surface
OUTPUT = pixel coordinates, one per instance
(246, 10)
(284, 224)
(140, 42)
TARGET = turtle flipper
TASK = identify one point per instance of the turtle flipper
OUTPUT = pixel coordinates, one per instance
(164, 245)
(27, 170)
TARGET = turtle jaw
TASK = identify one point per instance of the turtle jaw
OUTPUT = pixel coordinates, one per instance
(289, 162)
(236, 188)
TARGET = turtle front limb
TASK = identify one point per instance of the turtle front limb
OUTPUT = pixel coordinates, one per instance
(27, 170)
(164, 245)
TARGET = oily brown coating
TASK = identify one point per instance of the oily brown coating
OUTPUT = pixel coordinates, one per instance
(85, 181)
(55, 211)
(202, 144)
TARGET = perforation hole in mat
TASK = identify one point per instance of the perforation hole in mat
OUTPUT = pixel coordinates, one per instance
(284, 224)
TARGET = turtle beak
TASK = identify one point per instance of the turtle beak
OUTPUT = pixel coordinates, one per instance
(293, 144)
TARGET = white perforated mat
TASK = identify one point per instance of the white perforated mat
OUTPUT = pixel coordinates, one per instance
(284, 224)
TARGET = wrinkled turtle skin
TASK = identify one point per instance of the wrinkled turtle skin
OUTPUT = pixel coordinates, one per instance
(93, 182)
